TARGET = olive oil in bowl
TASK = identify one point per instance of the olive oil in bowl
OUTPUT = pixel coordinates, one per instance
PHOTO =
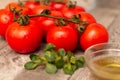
(106, 66)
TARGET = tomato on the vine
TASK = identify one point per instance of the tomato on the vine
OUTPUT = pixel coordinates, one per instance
(12, 5)
(70, 12)
(24, 39)
(57, 6)
(39, 9)
(48, 23)
(31, 4)
(93, 34)
(63, 37)
(6, 18)
(18, 7)
(87, 17)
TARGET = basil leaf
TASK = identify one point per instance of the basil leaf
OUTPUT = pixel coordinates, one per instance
(69, 54)
(72, 59)
(50, 68)
(80, 62)
(68, 69)
(49, 47)
(50, 56)
(30, 65)
(59, 63)
(61, 52)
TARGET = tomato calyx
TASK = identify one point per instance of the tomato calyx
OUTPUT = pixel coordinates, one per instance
(71, 4)
(81, 28)
(46, 2)
(18, 17)
(37, 0)
(23, 20)
(20, 3)
(15, 12)
(81, 24)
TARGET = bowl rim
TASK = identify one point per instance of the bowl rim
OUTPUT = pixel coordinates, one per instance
(101, 44)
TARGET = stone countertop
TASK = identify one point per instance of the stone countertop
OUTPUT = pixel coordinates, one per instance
(11, 63)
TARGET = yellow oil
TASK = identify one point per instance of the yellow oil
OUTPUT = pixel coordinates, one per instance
(107, 67)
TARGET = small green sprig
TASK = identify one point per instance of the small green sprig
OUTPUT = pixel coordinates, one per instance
(54, 60)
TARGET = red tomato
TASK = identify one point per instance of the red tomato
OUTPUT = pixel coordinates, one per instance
(6, 18)
(31, 4)
(56, 13)
(63, 37)
(93, 34)
(12, 5)
(57, 6)
(69, 12)
(18, 7)
(87, 17)
(39, 9)
(48, 23)
(24, 39)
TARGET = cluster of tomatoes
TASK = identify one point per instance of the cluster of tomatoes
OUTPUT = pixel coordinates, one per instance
(25, 38)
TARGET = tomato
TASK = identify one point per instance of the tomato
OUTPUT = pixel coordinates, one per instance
(12, 5)
(69, 12)
(6, 18)
(56, 13)
(48, 23)
(39, 9)
(93, 34)
(63, 37)
(57, 6)
(18, 7)
(24, 39)
(31, 4)
(87, 17)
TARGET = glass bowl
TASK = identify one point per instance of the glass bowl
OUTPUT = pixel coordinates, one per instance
(103, 60)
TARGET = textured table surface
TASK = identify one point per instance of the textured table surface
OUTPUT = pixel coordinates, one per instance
(11, 63)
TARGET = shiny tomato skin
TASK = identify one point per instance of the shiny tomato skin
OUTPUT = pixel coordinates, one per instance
(87, 17)
(70, 12)
(93, 34)
(63, 37)
(31, 4)
(57, 6)
(38, 9)
(56, 13)
(47, 24)
(6, 18)
(24, 39)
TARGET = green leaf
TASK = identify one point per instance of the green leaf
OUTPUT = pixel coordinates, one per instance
(30, 65)
(59, 63)
(74, 67)
(61, 52)
(80, 62)
(49, 47)
(36, 58)
(50, 56)
(68, 69)
(69, 55)
(50, 68)
(81, 58)
(72, 59)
